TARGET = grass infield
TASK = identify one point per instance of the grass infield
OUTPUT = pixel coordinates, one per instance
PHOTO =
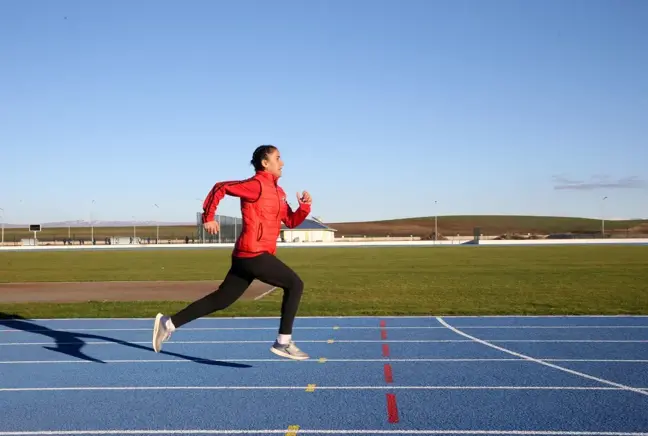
(367, 281)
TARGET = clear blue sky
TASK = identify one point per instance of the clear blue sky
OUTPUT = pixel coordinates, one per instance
(379, 108)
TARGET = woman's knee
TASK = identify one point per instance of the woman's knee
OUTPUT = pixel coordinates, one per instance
(297, 284)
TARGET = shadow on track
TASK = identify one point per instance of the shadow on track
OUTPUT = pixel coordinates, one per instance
(71, 343)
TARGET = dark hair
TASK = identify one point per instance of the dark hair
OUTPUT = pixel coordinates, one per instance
(259, 154)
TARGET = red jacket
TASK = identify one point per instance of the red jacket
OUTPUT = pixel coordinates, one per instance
(264, 208)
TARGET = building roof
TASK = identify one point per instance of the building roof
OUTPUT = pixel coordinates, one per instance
(309, 224)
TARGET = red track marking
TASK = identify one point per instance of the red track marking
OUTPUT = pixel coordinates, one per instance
(392, 409)
(389, 376)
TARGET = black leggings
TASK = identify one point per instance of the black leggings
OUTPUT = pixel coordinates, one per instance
(266, 268)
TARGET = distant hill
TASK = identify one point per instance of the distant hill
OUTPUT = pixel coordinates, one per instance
(490, 225)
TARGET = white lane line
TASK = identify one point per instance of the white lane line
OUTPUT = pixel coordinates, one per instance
(541, 362)
(336, 327)
(314, 431)
(188, 329)
(230, 360)
(349, 388)
(265, 293)
(365, 317)
(226, 360)
(599, 360)
(348, 341)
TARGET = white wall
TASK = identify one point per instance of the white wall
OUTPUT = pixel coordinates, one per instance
(309, 235)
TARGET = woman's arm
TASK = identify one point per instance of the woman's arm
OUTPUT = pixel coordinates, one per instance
(249, 189)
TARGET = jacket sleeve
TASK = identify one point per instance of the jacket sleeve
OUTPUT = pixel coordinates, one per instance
(294, 218)
(249, 189)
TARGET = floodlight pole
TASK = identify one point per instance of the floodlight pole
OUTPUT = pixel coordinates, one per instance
(91, 223)
(157, 225)
(603, 217)
(2, 243)
(435, 221)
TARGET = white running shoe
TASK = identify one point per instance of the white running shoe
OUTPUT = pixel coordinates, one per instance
(289, 350)
(162, 330)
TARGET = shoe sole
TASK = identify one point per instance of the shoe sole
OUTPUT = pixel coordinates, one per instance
(156, 331)
(288, 356)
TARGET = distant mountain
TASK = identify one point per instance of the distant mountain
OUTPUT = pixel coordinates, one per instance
(85, 223)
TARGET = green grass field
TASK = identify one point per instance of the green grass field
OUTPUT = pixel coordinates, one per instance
(368, 281)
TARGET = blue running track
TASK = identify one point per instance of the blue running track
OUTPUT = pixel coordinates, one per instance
(366, 375)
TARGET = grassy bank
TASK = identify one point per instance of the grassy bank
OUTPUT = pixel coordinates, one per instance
(369, 281)
(493, 225)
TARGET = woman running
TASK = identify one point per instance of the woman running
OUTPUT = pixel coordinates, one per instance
(264, 208)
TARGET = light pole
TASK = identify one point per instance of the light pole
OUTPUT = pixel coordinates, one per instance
(157, 225)
(435, 221)
(91, 223)
(2, 243)
(603, 217)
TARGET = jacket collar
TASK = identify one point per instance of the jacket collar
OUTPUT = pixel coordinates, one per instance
(267, 176)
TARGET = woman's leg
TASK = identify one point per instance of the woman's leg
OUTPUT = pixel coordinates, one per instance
(236, 282)
(228, 292)
(271, 270)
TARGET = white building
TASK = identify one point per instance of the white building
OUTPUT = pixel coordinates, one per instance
(308, 231)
